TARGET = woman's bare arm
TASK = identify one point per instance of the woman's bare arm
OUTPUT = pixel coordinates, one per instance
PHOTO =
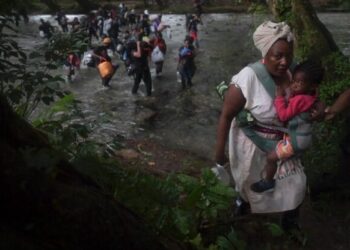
(233, 103)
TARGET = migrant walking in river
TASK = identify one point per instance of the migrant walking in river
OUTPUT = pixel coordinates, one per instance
(104, 64)
(159, 51)
(75, 25)
(141, 69)
(252, 91)
(297, 138)
(62, 20)
(186, 65)
(192, 29)
(72, 64)
(92, 27)
(46, 29)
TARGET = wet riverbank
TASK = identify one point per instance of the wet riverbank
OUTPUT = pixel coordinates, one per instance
(182, 119)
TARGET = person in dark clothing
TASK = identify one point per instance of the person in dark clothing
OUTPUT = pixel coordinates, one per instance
(92, 27)
(189, 17)
(46, 28)
(193, 29)
(75, 25)
(144, 23)
(186, 65)
(100, 56)
(131, 19)
(142, 71)
(62, 21)
(113, 33)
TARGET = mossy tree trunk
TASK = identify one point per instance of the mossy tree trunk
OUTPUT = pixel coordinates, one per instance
(46, 204)
(312, 39)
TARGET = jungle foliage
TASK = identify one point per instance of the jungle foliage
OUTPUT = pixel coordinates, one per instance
(179, 205)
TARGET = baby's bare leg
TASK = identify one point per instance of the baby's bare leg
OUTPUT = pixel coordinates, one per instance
(271, 165)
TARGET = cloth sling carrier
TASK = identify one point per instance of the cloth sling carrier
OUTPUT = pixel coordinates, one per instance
(299, 127)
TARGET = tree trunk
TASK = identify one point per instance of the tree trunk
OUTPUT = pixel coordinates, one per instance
(46, 204)
(312, 39)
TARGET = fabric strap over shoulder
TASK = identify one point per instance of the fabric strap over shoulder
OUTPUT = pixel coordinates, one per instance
(264, 77)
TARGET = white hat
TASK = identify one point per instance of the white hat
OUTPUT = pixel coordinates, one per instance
(268, 33)
(146, 12)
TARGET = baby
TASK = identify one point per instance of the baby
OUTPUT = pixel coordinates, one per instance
(306, 78)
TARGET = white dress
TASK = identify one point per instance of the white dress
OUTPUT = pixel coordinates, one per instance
(247, 161)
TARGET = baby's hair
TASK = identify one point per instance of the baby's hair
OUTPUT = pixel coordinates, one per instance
(312, 70)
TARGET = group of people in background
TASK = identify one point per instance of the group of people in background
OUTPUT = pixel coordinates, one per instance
(186, 64)
(135, 38)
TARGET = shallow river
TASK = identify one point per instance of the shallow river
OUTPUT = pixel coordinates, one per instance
(179, 118)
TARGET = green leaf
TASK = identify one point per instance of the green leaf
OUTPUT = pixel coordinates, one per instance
(274, 229)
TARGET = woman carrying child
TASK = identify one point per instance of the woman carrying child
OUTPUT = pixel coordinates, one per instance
(306, 78)
(252, 91)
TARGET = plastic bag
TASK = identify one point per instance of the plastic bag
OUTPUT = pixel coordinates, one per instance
(178, 77)
(157, 55)
(221, 89)
(110, 52)
(88, 60)
(221, 173)
(131, 69)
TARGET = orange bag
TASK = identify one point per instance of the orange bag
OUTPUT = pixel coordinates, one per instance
(106, 69)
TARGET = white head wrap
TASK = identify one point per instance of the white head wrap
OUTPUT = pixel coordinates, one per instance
(268, 33)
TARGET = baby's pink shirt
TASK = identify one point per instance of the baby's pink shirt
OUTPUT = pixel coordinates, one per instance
(295, 105)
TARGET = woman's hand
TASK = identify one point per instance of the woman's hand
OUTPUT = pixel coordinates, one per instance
(330, 114)
(318, 111)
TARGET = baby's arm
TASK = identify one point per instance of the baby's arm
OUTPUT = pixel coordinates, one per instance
(295, 105)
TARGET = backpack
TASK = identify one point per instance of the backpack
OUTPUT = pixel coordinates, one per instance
(127, 56)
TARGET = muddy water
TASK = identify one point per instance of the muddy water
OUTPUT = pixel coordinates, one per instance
(188, 118)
